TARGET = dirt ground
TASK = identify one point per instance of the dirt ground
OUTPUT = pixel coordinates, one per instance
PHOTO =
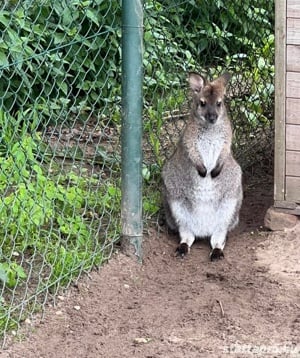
(247, 305)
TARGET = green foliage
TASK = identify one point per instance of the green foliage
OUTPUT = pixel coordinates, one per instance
(58, 56)
(181, 35)
(10, 273)
(156, 113)
(62, 59)
(48, 214)
(7, 322)
(38, 211)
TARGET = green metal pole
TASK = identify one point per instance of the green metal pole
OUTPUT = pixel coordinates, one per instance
(132, 105)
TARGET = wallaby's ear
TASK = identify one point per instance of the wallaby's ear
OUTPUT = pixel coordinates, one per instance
(196, 81)
(224, 79)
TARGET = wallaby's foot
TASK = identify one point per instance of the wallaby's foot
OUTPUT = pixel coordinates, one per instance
(182, 250)
(216, 254)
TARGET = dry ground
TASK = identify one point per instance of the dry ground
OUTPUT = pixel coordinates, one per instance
(247, 305)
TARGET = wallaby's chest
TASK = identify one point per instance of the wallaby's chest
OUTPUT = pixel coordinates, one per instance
(210, 147)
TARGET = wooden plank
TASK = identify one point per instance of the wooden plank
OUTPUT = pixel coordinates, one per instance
(293, 58)
(293, 31)
(293, 110)
(280, 205)
(293, 163)
(293, 189)
(292, 137)
(280, 94)
(293, 84)
(285, 204)
(293, 8)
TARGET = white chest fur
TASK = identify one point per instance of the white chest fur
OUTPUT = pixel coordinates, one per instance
(210, 148)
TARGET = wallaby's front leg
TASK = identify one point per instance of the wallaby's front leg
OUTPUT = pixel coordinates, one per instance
(197, 161)
(195, 157)
(217, 169)
(201, 169)
(220, 161)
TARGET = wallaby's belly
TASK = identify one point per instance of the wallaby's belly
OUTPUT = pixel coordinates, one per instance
(201, 211)
(202, 220)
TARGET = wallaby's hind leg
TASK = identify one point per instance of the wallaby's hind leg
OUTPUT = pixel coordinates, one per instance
(168, 218)
(182, 250)
(227, 220)
(186, 241)
(216, 254)
(217, 243)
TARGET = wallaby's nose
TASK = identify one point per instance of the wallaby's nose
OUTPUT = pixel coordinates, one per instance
(211, 117)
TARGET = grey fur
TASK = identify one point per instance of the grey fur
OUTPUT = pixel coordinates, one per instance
(202, 182)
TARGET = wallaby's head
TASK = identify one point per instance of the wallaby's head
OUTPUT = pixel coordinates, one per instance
(208, 97)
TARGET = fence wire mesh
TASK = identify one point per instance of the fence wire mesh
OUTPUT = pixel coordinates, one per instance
(59, 147)
(60, 123)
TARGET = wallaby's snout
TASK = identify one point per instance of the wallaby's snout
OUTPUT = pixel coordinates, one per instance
(211, 115)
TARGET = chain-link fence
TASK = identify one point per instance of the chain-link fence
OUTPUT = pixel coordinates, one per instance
(59, 147)
(60, 118)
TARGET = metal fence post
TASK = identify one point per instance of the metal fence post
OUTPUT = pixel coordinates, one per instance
(132, 78)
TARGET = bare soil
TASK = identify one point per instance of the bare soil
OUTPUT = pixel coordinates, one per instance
(247, 305)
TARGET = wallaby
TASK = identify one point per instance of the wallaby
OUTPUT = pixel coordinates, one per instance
(202, 182)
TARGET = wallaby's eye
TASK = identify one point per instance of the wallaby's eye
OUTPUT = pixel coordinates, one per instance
(202, 103)
(219, 103)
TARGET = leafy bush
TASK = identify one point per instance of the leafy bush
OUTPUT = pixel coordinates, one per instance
(51, 222)
(59, 55)
(53, 215)
(180, 36)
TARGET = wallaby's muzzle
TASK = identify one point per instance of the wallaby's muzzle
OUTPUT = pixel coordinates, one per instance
(211, 117)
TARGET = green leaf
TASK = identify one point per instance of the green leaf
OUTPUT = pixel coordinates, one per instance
(4, 18)
(64, 87)
(92, 16)
(19, 271)
(3, 60)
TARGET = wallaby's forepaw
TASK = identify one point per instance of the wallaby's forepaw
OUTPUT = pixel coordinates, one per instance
(216, 254)
(202, 171)
(217, 170)
(182, 250)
